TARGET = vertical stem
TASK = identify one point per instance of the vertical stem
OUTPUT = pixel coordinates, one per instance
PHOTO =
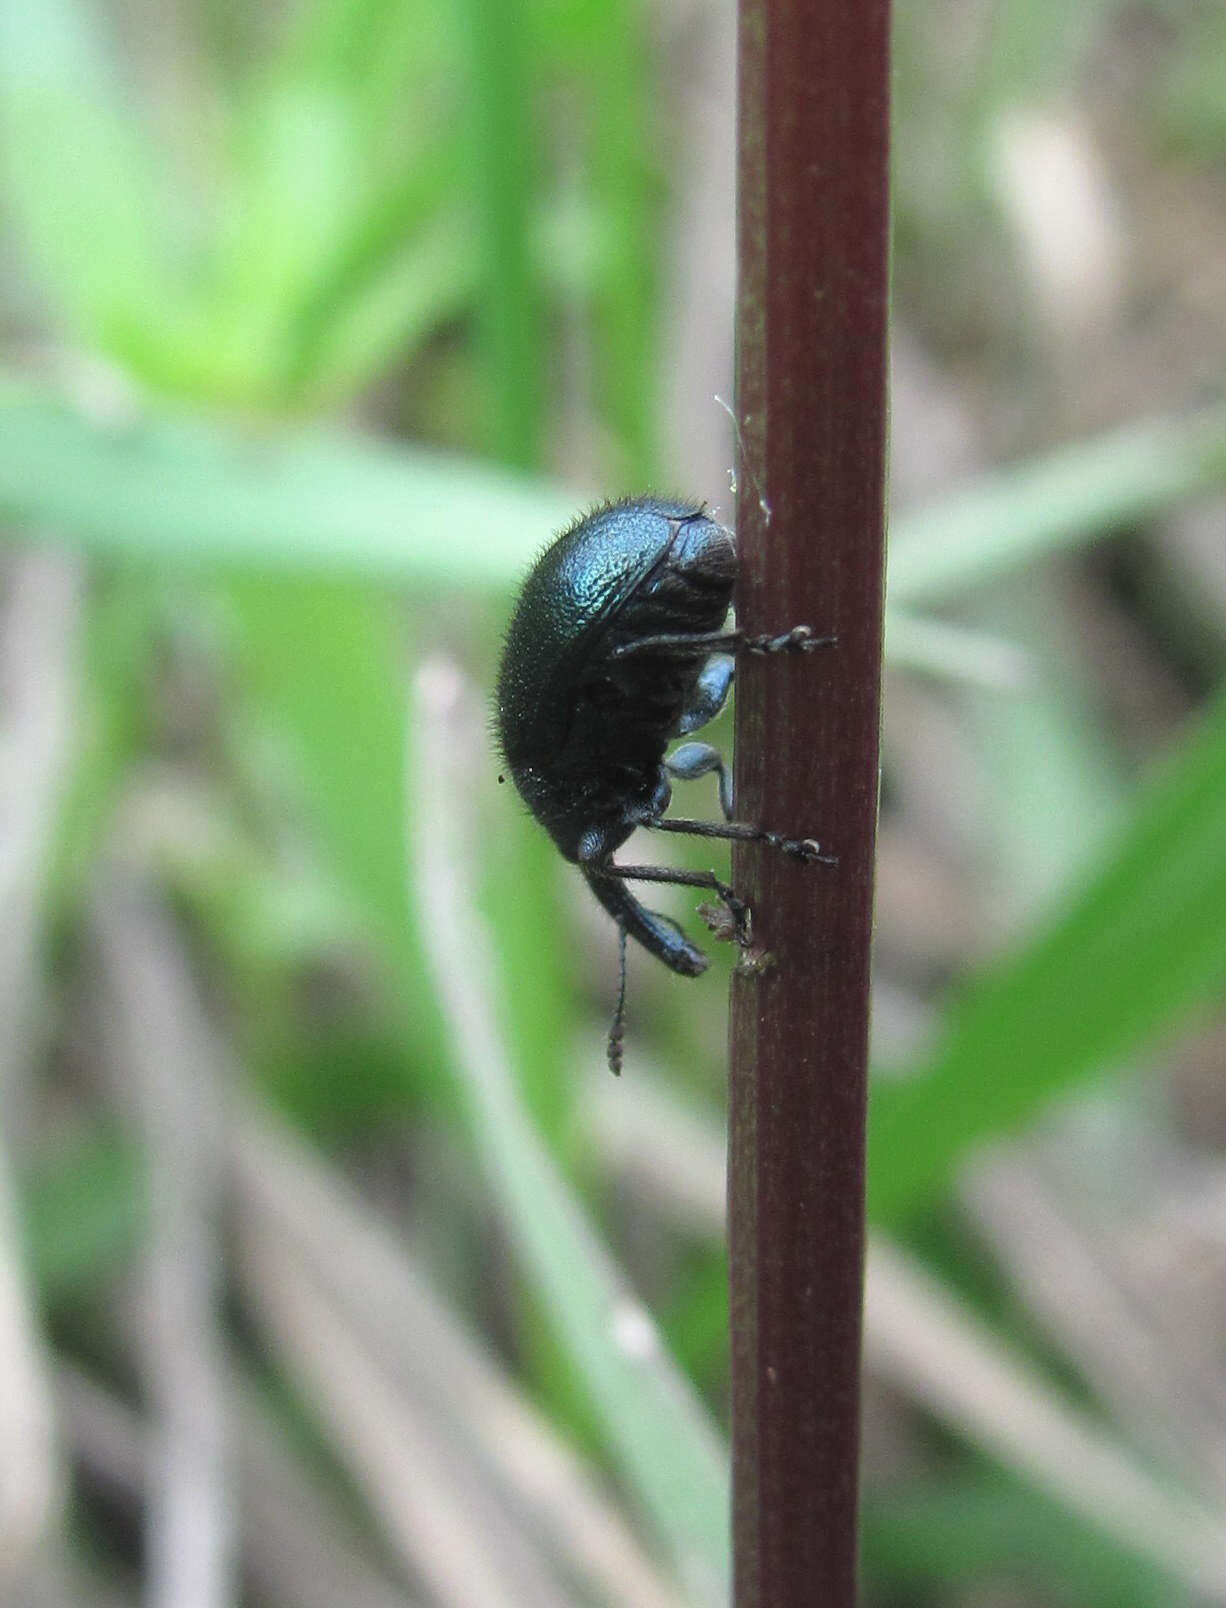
(811, 368)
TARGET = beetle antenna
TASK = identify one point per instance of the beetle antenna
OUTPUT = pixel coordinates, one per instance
(617, 1029)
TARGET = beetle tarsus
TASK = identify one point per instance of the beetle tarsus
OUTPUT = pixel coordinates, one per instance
(799, 639)
(807, 849)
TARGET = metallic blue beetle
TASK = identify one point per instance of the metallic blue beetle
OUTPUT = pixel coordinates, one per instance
(616, 647)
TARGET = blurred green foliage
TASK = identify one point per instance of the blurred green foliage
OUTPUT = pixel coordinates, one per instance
(366, 189)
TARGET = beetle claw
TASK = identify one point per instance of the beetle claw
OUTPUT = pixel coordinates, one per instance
(800, 639)
(809, 850)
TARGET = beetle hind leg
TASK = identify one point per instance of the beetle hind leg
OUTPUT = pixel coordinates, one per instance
(659, 935)
(738, 910)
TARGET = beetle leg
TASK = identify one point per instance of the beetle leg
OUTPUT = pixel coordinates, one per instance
(693, 760)
(737, 908)
(617, 1027)
(659, 935)
(799, 639)
(667, 873)
(797, 848)
(682, 644)
(710, 693)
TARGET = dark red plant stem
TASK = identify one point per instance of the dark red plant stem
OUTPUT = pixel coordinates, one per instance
(811, 399)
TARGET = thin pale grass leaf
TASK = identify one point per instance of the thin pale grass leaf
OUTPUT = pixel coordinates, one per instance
(1051, 504)
(664, 1444)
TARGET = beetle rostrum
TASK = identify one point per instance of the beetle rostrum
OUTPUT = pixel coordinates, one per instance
(618, 646)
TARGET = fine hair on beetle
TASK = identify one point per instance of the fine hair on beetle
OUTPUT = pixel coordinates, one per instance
(618, 646)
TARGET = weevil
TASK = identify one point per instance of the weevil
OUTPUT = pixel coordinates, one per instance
(617, 646)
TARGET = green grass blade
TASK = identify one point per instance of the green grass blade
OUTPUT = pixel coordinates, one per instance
(381, 52)
(628, 193)
(82, 1214)
(1066, 499)
(1036, 47)
(296, 187)
(395, 277)
(934, 1535)
(1140, 946)
(325, 658)
(74, 176)
(406, 300)
(180, 490)
(343, 38)
(510, 333)
(1053, 795)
